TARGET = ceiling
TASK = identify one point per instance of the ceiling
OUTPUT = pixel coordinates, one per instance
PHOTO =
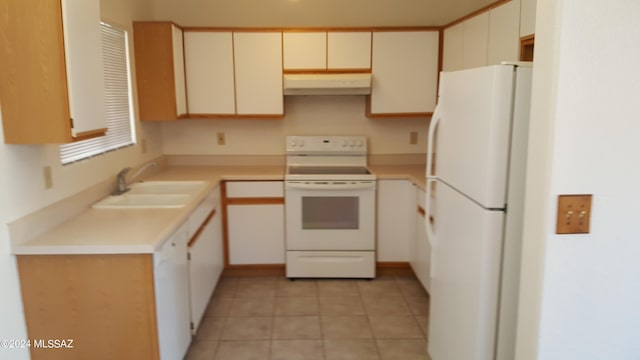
(314, 13)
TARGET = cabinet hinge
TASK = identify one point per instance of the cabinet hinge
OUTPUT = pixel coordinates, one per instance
(71, 122)
(191, 325)
(189, 256)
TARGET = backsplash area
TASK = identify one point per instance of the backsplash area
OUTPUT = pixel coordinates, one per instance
(304, 115)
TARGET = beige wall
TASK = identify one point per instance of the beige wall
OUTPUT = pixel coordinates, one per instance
(305, 115)
(580, 293)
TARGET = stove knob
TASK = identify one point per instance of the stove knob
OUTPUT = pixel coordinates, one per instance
(360, 143)
(345, 143)
(301, 144)
(352, 143)
(293, 143)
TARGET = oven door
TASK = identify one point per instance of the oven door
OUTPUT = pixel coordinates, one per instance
(330, 215)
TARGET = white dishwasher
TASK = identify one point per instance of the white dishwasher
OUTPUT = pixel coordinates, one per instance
(171, 280)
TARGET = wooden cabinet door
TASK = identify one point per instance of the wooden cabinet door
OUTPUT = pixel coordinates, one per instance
(159, 70)
(304, 50)
(405, 72)
(209, 72)
(258, 72)
(51, 71)
(110, 300)
(348, 50)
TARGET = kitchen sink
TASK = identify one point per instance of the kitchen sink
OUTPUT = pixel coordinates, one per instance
(153, 194)
(167, 187)
(142, 201)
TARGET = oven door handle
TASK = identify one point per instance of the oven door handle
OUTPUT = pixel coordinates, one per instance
(331, 185)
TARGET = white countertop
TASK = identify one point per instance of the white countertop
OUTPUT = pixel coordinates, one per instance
(107, 231)
(140, 231)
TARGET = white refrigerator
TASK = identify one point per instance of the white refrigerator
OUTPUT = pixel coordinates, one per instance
(476, 168)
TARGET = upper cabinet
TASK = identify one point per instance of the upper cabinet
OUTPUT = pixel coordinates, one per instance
(51, 77)
(453, 47)
(160, 72)
(228, 74)
(504, 32)
(304, 50)
(475, 40)
(405, 73)
(527, 17)
(349, 50)
(466, 44)
(258, 73)
(209, 68)
(322, 51)
(239, 72)
(488, 38)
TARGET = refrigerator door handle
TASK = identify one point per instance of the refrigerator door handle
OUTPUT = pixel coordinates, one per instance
(435, 119)
(431, 236)
(431, 178)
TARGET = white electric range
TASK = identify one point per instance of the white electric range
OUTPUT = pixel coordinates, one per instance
(330, 208)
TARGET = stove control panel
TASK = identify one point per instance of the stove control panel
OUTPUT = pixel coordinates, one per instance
(327, 144)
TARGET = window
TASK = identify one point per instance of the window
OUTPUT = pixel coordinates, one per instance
(118, 103)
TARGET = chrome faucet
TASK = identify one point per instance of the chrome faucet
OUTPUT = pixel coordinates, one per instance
(121, 178)
(121, 182)
(142, 169)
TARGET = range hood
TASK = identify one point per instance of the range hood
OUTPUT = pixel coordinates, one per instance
(327, 84)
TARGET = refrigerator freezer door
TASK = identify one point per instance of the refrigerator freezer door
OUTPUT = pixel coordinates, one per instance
(464, 290)
(472, 149)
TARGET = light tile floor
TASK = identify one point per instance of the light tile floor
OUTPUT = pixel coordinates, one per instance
(272, 318)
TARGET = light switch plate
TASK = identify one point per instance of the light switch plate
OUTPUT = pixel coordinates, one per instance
(574, 214)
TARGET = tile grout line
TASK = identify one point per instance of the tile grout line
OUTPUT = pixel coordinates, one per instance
(271, 349)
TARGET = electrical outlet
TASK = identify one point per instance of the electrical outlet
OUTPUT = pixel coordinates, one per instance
(47, 177)
(413, 138)
(574, 213)
(221, 140)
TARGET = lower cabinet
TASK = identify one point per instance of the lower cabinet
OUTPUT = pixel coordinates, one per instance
(395, 220)
(421, 248)
(125, 306)
(256, 234)
(255, 222)
(104, 303)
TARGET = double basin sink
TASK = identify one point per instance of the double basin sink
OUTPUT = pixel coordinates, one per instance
(153, 195)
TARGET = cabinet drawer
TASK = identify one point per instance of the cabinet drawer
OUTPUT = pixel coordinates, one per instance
(254, 189)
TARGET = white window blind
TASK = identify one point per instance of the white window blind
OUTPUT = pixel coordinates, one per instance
(117, 93)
